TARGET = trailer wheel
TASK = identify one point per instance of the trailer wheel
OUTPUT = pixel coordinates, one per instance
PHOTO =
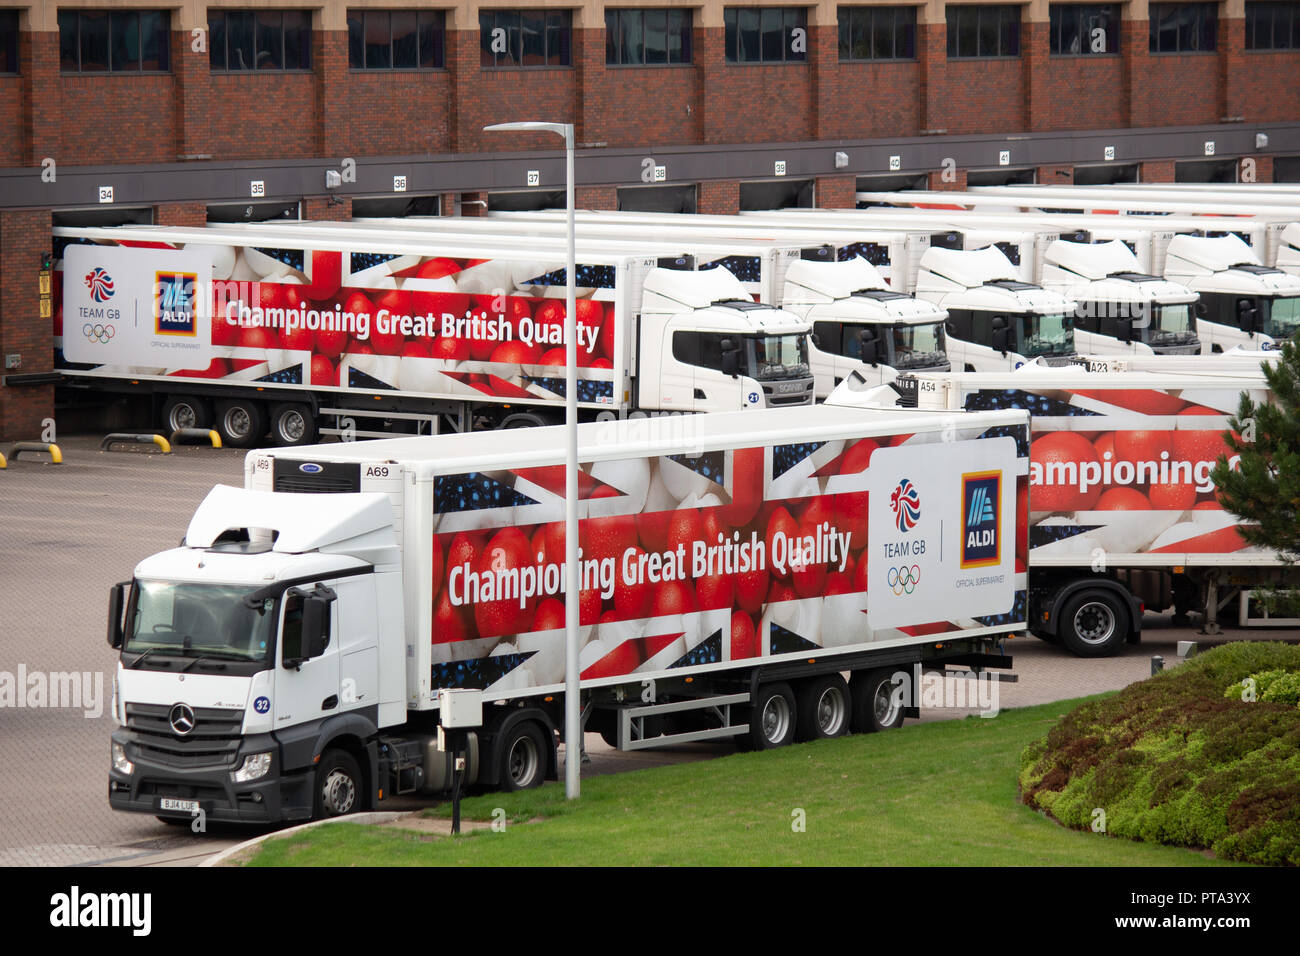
(877, 703)
(184, 411)
(525, 420)
(824, 708)
(1093, 624)
(772, 719)
(521, 752)
(240, 422)
(292, 424)
(339, 785)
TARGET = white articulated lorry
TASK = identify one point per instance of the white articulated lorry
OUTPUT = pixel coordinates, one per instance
(995, 321)
(1123, 514)
(286, 327)
(287, 659)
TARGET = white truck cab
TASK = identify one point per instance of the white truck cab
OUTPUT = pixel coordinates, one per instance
(1122, 310)
(707, 346)
(995, 321)
(1243, 303)
(860, 324)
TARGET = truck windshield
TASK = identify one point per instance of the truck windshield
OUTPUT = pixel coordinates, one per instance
(1170, 322)
(1281, 317)
(778, 356)
(919, 346)
(199, 620)
(1049, 334)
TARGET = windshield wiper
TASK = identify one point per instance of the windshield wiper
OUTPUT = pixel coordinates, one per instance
(141, 656)
(201, 657)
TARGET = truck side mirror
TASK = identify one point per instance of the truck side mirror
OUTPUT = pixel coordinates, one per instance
(1001, 334)
(730, 358)
(1247, 315)
(315, 625)
(1124, 328)
(116, 603)
(870, 348)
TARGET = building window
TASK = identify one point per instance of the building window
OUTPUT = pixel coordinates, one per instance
(117, 41)
(1273, 26)
(983, 31)
(647, 37)
(259, 40)
(766, 34)
(1183, 27)
(525, 38)
(396, 39)
(1082, 29)
(877, 33)
(8, 41)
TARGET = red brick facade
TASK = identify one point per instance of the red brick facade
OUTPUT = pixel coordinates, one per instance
(24, 236)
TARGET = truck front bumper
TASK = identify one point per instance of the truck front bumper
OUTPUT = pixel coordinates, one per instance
(270, 798)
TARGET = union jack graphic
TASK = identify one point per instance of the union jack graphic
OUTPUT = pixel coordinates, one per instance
(906, 503)
(100, 284)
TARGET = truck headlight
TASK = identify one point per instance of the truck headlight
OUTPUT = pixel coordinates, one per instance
(254, 767)
(120, 763)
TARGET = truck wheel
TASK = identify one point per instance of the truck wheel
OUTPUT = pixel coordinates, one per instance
(240, 422)
(521, 752)
(824, 708)
(773, 717)
(292, 424)
(1093, 624)
(525, 420)
(1045, 636)
(338, 785)
(184, 411)
(877, 703)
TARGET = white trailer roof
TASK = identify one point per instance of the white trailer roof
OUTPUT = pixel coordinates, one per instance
(1095, 260)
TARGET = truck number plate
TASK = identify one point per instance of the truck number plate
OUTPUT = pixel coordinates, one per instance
(189, 806)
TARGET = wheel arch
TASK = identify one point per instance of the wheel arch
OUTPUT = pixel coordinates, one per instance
(503, 723)
(1065, 593)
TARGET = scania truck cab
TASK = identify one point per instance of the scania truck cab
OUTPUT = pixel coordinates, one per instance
(1243, 304)
(995, 321)
(1122, 310)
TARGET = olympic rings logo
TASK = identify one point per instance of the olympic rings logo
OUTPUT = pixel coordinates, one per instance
(904, 579)
(98, 333)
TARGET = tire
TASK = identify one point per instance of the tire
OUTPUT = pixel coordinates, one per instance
(184, 411)
(338, 784)
(525, 420)
(521, 757)
(773, 717)
(825, 709)
(240, 423)
(292, 424)
(877, 705)
(1093, 624)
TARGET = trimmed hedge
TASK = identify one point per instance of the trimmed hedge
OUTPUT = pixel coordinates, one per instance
(1173, 760)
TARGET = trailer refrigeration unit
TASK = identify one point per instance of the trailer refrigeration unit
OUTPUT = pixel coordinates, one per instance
(1123, 514)
(287, 659)
(1243, 304)
(284, 327)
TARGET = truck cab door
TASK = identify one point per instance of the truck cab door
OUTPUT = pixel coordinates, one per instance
(681, 355)
(306, 687)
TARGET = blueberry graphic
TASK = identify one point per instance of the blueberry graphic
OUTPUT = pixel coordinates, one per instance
(785, 457)
(710, 464)
(286, 376)
(473, 492)
(365, 260)
(293, 258)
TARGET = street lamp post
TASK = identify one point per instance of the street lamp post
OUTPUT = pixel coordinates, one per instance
(572, 715)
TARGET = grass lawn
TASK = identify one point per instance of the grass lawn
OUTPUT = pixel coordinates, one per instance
(929, 794)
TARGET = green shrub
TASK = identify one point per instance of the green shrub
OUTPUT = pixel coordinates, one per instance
(1177, 759)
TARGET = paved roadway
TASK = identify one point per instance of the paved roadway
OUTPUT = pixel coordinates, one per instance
(70, 531)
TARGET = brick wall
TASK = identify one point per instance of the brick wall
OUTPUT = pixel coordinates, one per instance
(720, 197)
(12, 151)
(191, 214)
(24, 236)
(753, 103)
(835, 192)
(595, 197)
(1156, 172)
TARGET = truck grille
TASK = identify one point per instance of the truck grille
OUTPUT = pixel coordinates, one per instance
(779, 398)
(214, 739)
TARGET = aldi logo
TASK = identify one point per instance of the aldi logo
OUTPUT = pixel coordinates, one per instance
(981, 496)
(174, 304)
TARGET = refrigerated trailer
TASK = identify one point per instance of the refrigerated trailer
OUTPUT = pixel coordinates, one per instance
(859, 321)
(289, 658)
(285, 327)
(1124, 517)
